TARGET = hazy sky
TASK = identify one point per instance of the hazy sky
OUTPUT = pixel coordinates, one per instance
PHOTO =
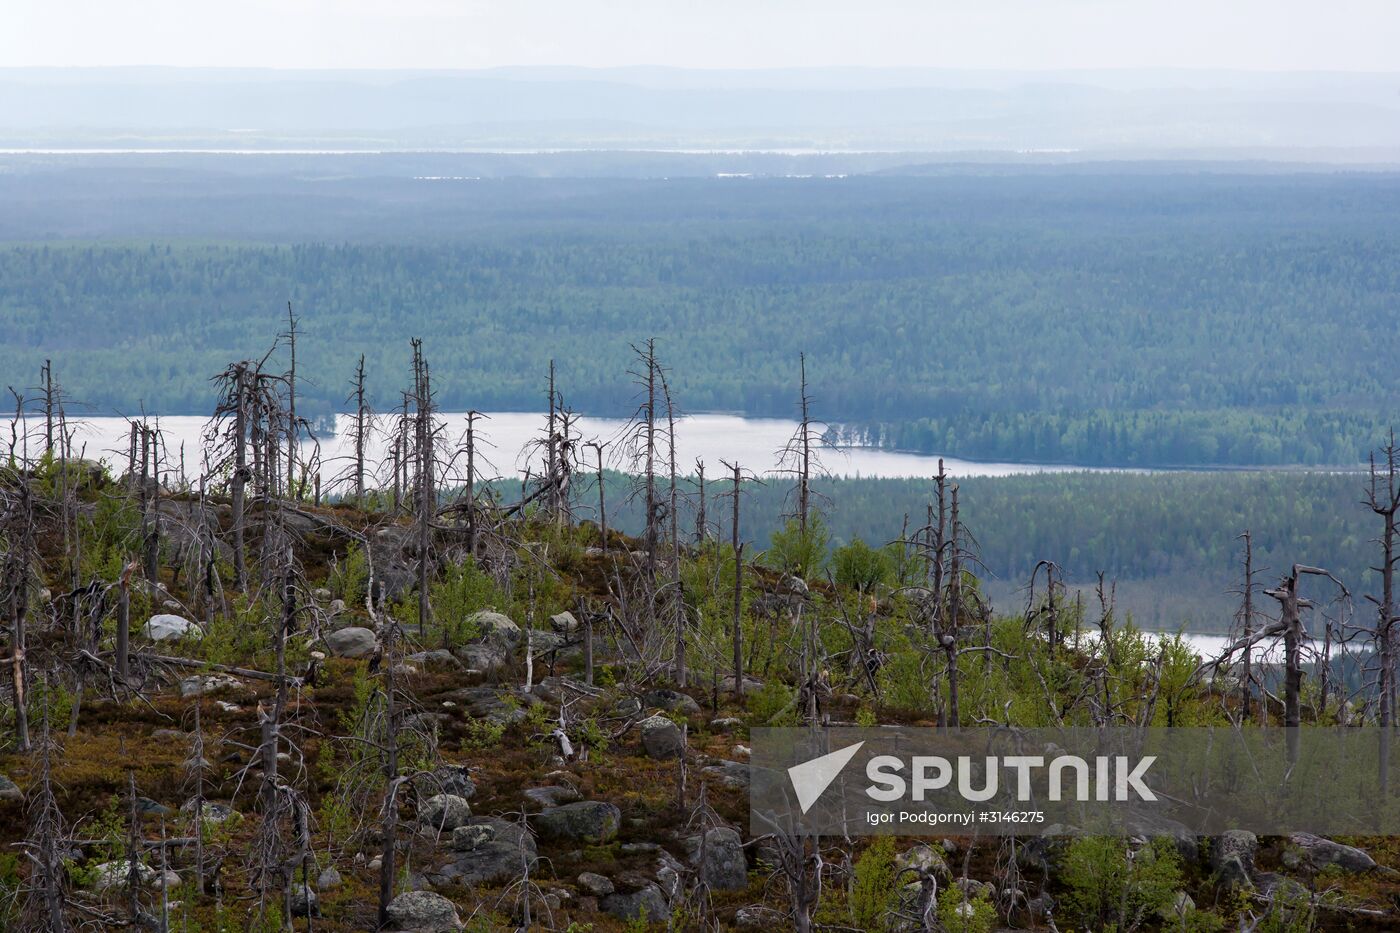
(1358, 35)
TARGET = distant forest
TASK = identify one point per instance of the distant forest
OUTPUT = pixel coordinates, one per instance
(1082, 318)
(1169, 540)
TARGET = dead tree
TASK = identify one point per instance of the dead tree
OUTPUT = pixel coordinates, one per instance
(1383, 498)
(737, 547)
(17, 523)
(642, 447)
(46, 901)
(46, 374)
(1247, 620)
(425, 434)
(602, 496)
(799, 456)
(471, 482)
(292, 491)
(1291, 607)
(360, 431)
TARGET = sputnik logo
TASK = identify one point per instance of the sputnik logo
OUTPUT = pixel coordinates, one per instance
(811, 778)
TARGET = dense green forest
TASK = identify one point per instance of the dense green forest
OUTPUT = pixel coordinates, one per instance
(1095, 319)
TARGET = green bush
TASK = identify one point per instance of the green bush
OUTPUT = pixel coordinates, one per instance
(797, 552)
(872, 887)
(859, 566)
(1112, 887)
(960, 915)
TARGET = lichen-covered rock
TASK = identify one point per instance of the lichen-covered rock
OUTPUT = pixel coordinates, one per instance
(424, 912)
(672, 701)
(661, 738)
(592, 821)
(9, 790)
(472, 837)
(448, 779)
(564, 623)
(199, 685)
(171, 628)
(1317, 853)
(552, 796)
(1232, 858)
(648, 904)
(923, 860)
(486, 851)
(303, 901)
(495, 628)
(733, 774)
(595, 884)
(444, 812)
(720, 860)
(352, 642)
(111, 876)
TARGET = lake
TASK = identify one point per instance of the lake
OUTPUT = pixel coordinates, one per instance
(505, 445)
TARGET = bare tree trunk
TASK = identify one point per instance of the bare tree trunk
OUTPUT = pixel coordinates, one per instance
(124, 625)
(602, 498)
(360, 425)
(389, 823)
(950, 637)
(738, 630)
(48, 407)
(1247, 614)
(292, 491)
(427, 499)
(471, 483)
(804, 485)
(651, 501)
(701, 531)
(240, 473)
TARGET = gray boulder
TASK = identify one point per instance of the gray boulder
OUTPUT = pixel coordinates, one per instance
(437, 658)
(448, 779)
(725, 866)
(444, 812)
(328, 878)
(304, 902)
(923, 860)
(564, 623)
(661, 738)
(595, 884)
(592, 821)
(199, 685)
(1232, 858)
(424, 912)
(171, 628)
(352, 642)
(9, 790)
(495, 628)
(733, 774)
(672, 701)
(486, 851)
(472, 837)
(1318, 853)
(552, 796)
(482, 657)
(648, 903)
(112, 876)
